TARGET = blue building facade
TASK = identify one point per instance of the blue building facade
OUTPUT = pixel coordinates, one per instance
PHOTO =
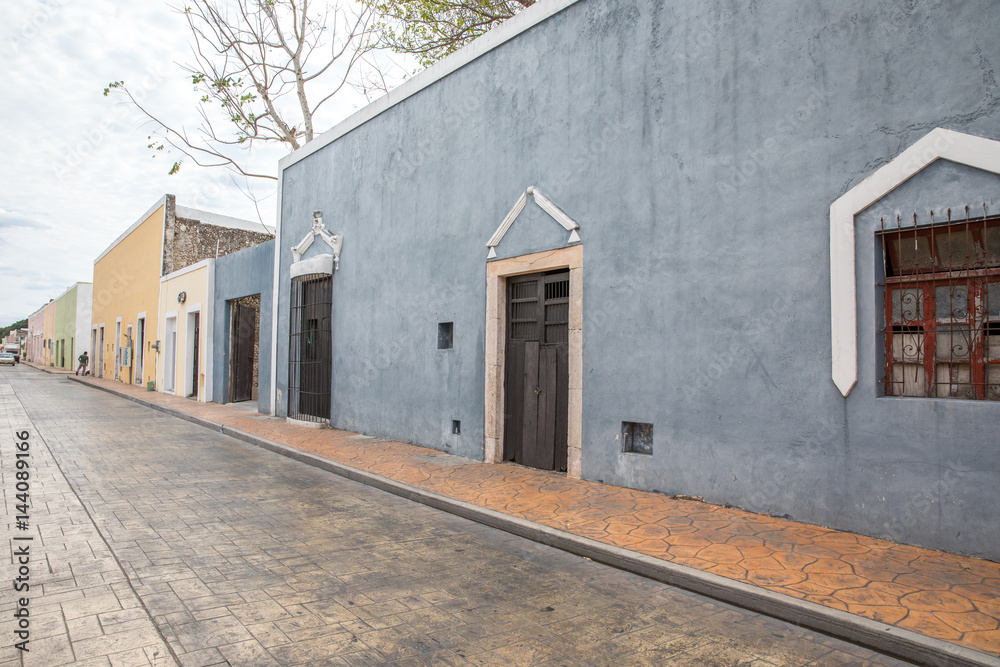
(703, 203)
(244, 288)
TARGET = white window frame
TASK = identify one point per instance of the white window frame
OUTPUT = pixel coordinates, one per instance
(938, 144)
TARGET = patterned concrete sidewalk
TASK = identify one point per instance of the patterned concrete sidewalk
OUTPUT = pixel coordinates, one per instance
(82, 607)
(939, 595)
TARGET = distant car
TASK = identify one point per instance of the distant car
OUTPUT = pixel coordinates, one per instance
(7, 358)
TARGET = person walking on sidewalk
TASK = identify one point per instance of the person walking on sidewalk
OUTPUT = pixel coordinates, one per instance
(83, 363)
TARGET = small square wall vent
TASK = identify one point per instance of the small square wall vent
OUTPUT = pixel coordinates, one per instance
(637, 438)
(446, 335)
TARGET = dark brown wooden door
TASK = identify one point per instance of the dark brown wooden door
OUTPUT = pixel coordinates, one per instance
(242, 344)
(536, 374)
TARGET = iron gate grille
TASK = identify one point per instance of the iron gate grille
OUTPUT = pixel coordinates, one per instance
(310, 352)
(942, 310)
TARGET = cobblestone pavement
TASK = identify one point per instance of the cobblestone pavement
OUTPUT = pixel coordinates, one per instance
(948, 597)
(166, 542)
(82, 607)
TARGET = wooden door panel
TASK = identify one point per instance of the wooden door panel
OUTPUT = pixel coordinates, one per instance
(536, 371)
(547, 384)
(244, 317)
(531, 447)
(514, 403)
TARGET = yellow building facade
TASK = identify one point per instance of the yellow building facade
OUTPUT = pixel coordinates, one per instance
(126, 292)
(174, 242)
(186, 311)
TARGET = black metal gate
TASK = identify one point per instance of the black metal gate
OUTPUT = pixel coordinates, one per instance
(536, 375)
(310, 352)
(242, 343)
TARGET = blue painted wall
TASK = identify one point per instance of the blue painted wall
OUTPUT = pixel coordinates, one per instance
(240, 274)
(699, 145)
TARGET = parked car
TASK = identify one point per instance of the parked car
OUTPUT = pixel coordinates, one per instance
(7, 358)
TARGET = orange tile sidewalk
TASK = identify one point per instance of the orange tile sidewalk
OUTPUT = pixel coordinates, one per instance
(948, 597)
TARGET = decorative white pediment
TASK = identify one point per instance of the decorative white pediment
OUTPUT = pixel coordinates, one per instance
(938, 144)
(333, 240)
(557, 214)
(317, 264)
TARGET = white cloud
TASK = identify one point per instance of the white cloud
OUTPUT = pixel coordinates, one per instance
(76, 169)
(11, 220)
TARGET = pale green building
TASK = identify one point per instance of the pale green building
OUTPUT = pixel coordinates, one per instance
(72, 325)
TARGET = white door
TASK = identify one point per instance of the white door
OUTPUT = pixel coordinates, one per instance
(170, 355)
(140, 349)
(100, 347)
(118, 346)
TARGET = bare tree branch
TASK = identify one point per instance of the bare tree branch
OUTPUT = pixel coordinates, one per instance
(258, 63)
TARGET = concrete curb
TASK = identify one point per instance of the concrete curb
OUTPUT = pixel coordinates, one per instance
(881, 637)
(44, 369)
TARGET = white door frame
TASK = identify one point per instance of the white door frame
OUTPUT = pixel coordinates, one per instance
(118, 346)
(138, 348)
(170, 354)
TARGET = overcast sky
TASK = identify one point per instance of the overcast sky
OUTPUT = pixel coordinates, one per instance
(76, 171)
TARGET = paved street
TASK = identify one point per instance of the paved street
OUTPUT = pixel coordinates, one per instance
(160, 542)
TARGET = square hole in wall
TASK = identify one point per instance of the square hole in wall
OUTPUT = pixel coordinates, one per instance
(446, 335)
(637, 438)
(456, 427)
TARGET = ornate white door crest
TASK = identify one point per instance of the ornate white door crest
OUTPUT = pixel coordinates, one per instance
(320, 263)
(557, 214)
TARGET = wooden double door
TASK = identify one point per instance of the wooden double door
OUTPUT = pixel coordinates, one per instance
(536, 373)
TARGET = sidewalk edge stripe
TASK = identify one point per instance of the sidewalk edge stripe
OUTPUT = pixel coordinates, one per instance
(872, 634)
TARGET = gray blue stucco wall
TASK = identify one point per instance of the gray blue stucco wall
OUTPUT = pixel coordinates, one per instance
(244, 273)
(699, 145)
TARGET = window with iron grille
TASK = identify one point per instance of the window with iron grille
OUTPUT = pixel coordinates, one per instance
(942, 310)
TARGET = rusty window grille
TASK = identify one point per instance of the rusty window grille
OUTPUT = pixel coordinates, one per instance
(310, 350)
(942, 309)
